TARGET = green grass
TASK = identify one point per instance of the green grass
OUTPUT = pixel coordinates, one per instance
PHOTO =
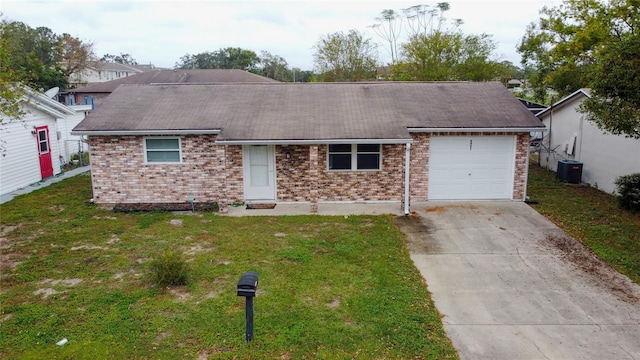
(330, 287)
(590, 216)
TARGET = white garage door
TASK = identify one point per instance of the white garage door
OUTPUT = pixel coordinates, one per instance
(471, 167)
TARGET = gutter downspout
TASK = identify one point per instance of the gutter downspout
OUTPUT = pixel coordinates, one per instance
(406, 177)
(550, 131)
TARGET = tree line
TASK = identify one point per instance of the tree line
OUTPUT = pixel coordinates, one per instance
(589, 44)
(577, 44)
(38, 58)
(265, 64)
(423, 44)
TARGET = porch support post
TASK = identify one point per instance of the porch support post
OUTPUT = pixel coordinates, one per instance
(313, 178)
(407, 173)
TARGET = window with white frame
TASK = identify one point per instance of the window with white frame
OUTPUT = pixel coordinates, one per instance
(354, 157)
(163, 150)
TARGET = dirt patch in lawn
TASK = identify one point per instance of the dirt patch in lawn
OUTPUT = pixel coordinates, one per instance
(46, 292)
(6, 230)
(181, 294)
(416, 230)
(198, 248)
(88, 247)
(597, 270)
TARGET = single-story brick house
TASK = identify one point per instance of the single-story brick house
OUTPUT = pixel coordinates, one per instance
(311, 143)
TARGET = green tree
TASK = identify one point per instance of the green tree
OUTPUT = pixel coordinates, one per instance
(448, 56)
(125, 59)
(10, 93)
(345, 57)
(510, 71)
(32, 55)
(205, 60)
(615, 88)
(227, 58)
(564, 45)
(274, 67)
(435, 47)
(587, 43)
(299, 75)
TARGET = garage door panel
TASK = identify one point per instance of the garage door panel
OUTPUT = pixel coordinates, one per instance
(482, 174)
(471, 167)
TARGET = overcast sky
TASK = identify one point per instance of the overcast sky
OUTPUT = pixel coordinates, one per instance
(160, 32)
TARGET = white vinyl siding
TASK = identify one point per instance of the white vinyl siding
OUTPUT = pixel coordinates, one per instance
(20, 162)
(348, 157)
(163, 150)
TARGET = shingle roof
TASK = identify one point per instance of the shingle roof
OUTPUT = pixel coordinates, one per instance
(163, 76)
(565, 100)
(319, 111)
(101, 65)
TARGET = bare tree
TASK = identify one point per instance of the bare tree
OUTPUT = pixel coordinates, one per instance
(423, 20)
(389, 28)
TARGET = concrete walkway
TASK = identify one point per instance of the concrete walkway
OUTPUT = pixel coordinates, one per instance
(511, 285)
(46, 182)
(356, 208)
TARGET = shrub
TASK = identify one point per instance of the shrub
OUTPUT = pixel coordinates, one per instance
(628, 188)
(85, 157)
(170, 269)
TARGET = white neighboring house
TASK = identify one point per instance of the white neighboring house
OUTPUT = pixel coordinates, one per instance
(38, 145)
(103, 71)
(570, 136)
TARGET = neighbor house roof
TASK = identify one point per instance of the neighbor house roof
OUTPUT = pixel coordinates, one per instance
(47, 104)
(311, 112)
(534, 107)
(565, 100)
(102, 65)
(197, 76)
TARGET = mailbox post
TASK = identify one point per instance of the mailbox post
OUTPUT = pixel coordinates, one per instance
(247, 286)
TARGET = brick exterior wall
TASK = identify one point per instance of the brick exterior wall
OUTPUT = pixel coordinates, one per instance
(419, 160)
(521, 167)
(120, 174)
(295, 176)
(292, 175)
(234, 173)
(383, 185)
(214, 173)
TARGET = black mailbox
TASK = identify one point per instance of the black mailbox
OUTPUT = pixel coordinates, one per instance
(248, 284)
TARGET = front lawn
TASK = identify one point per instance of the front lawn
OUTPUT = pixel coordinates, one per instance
(590, 216)
(330, 287)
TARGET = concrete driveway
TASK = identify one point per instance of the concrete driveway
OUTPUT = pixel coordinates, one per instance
(511, 285)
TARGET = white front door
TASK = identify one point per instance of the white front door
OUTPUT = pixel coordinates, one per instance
(259, 172)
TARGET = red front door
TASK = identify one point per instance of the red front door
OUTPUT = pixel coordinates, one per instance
(46, 166)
